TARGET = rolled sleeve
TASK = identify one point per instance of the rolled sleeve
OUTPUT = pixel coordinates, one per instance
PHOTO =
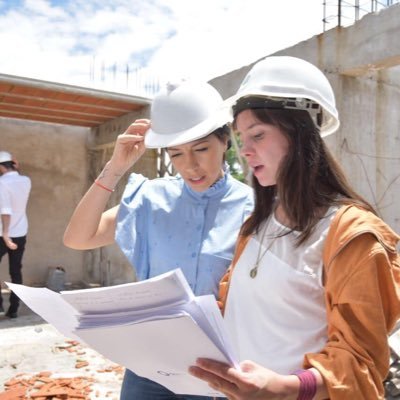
(362, 308)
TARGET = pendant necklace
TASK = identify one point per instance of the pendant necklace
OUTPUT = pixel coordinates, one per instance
(254, 270)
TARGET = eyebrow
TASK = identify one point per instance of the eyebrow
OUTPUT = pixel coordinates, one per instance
(254, 124)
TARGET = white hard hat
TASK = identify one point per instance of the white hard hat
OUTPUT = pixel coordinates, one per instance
(185, 112)
(294, 82)
(5, 156)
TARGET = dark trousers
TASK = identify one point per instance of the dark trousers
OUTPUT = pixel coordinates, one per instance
(15, 267)
(135, 387)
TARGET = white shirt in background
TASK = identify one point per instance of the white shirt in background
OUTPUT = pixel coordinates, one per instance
(14, 194)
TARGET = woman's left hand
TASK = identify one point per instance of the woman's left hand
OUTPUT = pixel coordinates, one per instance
(252, 381)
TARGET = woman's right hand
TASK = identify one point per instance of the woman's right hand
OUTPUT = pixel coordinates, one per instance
(129, 147)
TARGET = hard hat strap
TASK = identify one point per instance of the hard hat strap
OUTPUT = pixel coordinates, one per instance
(276, 103)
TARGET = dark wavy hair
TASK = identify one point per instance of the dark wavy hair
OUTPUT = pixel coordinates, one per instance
(309, 178)
(223, 133)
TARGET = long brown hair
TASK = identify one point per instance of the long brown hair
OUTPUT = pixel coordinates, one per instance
(309, 179)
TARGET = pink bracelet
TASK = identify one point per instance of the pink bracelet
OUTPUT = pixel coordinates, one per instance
(103, 187)
(308, 384)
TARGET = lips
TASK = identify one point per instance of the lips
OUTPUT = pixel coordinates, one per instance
(257, 168)
(197, 180)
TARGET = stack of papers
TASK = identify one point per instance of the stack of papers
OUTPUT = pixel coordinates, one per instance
(156, 328)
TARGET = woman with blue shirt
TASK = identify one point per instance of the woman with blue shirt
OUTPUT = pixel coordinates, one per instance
(189, 221)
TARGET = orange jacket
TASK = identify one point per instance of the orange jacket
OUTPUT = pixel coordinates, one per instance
(362, 296)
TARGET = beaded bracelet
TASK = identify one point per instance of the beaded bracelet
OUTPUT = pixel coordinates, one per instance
(308, 384)
(103, 187)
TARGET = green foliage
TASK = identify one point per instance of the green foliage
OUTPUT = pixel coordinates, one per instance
(234, 166)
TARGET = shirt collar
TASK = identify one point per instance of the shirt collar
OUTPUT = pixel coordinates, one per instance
(219, 187)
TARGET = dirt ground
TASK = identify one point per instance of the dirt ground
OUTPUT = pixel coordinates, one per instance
(29, 346)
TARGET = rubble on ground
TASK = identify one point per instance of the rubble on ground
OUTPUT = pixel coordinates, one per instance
(38, 363)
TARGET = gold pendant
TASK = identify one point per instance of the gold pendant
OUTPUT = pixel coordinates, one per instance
(253, 271)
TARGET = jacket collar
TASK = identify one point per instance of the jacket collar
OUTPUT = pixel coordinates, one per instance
(352, 221)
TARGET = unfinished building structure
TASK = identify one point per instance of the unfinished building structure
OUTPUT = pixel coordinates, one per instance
(62, 136)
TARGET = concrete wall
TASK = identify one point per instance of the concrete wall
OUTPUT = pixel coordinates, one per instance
(54, 157)
(62, 162)
(361, 62)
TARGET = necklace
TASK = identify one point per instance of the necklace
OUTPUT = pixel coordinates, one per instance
(254, 270)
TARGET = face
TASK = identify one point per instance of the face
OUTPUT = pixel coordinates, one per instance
(199, 162)
(263, 145)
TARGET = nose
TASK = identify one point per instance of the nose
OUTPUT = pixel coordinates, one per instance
(191, 162)
(247, 149)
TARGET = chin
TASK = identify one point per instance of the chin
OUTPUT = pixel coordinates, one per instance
(266, 182)
(199, 188)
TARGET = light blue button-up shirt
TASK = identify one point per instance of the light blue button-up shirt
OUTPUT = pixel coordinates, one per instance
(163, 224)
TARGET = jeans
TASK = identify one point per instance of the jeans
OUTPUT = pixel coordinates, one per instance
(135, 387)
(15, 267)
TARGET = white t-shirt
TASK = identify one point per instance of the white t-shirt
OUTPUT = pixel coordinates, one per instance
(278, 316)
(14, 194)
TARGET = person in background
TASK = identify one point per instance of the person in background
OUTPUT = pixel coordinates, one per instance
(14, 195)
(189, 221)
(313, 292)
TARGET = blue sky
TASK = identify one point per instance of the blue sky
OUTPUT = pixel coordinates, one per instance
(93, 42)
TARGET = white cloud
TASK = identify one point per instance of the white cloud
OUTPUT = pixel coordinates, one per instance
(236, 33)
(75, 41)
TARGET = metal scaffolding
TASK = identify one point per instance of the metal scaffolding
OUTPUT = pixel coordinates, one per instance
(344, 13)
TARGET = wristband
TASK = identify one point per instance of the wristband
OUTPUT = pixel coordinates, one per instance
(103, 187)
(308, 384)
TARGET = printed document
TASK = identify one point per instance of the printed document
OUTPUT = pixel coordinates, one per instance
(156, 328)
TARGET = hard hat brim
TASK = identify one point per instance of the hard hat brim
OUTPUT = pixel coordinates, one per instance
(331, 120)
(154, 139)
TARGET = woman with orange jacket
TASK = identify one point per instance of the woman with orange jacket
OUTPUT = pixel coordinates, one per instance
(313, 291)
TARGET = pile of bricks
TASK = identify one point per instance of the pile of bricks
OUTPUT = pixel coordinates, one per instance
(43, 387)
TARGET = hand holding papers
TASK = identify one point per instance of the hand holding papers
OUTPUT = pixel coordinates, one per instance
(157, 328)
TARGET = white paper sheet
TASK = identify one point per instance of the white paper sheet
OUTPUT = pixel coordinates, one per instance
(166, 289)
(50, 306)
(157, 328)
(160, 350)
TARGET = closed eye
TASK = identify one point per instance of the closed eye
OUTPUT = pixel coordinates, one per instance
(175, 155)
(202, 149)
(258, 136)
